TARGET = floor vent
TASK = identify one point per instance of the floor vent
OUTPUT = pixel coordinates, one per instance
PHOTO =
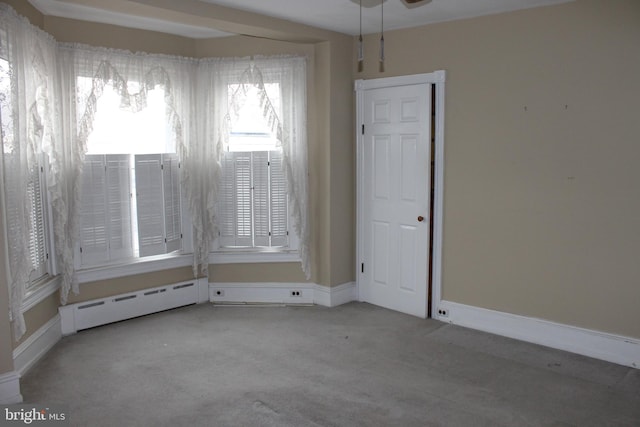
(89, 314)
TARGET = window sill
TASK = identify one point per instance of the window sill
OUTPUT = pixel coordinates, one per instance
(40, 292)
(247, 257)
(137, 266)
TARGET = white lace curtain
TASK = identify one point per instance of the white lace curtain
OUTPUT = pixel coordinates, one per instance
(28, 128)
(119, 70)
(47, 111)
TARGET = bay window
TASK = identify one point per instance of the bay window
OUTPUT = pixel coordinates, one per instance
(104, 150)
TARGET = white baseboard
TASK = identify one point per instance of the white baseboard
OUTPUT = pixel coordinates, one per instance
(281, 293)
(10, 388)
(267, 293)
(336, 295)
(599, 345)
(88, 314)
(203, 290)
(37, 345)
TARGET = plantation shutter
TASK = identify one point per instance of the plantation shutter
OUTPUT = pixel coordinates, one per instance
(158, 203)
(235, 200)
(94, 246)
(253, 200)
(261, 197)
(150, 204)
(278, 201)
(242, 174)
(37, 247)
(119, 206)
(171, 190)
(105, 226)
(227, 200)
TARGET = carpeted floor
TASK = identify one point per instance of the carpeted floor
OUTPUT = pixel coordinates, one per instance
(354, 365)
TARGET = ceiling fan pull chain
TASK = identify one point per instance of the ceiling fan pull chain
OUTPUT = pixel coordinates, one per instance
(360, 41)
(382, 33)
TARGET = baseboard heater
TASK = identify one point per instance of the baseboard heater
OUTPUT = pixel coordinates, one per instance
(89, 314)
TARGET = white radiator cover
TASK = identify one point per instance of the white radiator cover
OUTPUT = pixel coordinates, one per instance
(89, 314)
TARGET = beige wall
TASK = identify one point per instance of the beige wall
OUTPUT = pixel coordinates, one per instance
(342, 167)
(541, 211)
(74, 31)
(6, 340)
(252, 273)
(39, 315)
(110, 287)
(25, 9)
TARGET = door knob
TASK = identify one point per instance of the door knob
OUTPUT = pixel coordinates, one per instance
(420, 218)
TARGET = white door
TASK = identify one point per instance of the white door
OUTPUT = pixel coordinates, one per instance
(395, 162)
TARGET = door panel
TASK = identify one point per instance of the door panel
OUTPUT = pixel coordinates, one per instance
(396, 185)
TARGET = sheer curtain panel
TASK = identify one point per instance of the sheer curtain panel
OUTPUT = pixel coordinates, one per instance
(29, 126)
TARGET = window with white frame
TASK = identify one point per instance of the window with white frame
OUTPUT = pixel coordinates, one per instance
(37, 218)
(253, 203)
(130, 201)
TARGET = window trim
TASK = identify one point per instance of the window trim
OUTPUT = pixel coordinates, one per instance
(40, 290)
(231, 256)
(135, 266)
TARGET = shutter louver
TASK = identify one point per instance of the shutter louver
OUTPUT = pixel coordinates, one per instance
(278, 201)
(150, 205)
(171, 188)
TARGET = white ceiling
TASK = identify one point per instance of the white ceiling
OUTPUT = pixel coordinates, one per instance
(336, 15)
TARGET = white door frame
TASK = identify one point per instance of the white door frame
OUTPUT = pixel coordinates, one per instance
(438, 79)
